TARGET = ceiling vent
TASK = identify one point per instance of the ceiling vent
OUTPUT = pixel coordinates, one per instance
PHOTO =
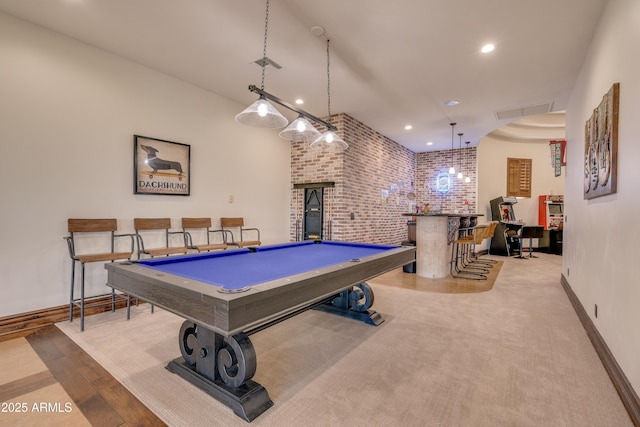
(530, 110)
(263, 62)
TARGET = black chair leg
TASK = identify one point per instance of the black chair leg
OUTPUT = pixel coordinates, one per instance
(82, 298)
(531, 255)
(73, 278)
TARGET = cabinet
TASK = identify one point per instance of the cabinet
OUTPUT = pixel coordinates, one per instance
(555, 242)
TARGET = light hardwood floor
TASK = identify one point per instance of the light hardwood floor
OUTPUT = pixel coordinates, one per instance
(46, 379)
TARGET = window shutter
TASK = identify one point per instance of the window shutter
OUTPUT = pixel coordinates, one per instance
(519, 177)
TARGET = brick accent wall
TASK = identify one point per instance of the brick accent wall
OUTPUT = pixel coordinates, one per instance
(354, 208)
(430, 164)
(373, 163)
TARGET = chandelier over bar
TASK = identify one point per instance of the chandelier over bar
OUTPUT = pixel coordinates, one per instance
(452, 169)
(466, 157)
(460, 176)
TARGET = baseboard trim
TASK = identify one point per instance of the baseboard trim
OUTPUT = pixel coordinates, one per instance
(626, 392)
(24, 324)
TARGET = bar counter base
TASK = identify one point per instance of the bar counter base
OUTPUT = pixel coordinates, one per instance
(435, 233)
(432, 249)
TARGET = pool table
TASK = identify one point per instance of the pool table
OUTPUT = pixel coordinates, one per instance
(226, 296)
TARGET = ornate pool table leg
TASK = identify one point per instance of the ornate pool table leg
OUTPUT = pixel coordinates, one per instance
(222, 367)
(354, 303)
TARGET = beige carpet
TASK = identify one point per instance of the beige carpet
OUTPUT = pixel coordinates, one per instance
(515, 355)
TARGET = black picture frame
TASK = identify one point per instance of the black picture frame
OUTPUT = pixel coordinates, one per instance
(161, 167)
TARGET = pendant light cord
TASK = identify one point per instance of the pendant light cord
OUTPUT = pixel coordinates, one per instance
(328, 82)
(264, 49)
(460, 150)
(453, 124)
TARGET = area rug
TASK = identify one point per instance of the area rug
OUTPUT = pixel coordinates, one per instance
(448, 285)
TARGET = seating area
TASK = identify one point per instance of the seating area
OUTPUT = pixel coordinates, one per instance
(94, 240)
(465, 262)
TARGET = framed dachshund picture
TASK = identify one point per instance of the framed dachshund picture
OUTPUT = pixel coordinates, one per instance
(161, 167)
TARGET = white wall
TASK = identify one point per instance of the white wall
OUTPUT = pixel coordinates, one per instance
(601, 251)
(68, 113)
(492, 173)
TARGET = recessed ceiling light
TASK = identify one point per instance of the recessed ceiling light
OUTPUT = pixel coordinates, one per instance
(317, 31)
(408, 127)
(430, 143)
(487, 48)
(299, 101)
(452, 103)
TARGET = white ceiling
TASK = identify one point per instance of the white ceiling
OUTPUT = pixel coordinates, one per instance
(393, 63)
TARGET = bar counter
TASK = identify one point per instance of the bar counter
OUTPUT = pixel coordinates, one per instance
(435, 232)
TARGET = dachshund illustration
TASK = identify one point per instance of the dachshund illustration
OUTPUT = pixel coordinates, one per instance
(156, 163)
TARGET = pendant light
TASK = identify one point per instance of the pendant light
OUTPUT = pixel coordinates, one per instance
(329, 139)
(300, 130)
(466, 156)
(261, 113)
(460, 176)
(452, 170)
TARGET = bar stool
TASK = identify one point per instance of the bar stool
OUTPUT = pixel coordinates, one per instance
(461, 266)
(488, 234)
(203, 225)
(472, 261)
(530, 232)
(512, 236)
(482, 233)
(160, 229)
(100, 232)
